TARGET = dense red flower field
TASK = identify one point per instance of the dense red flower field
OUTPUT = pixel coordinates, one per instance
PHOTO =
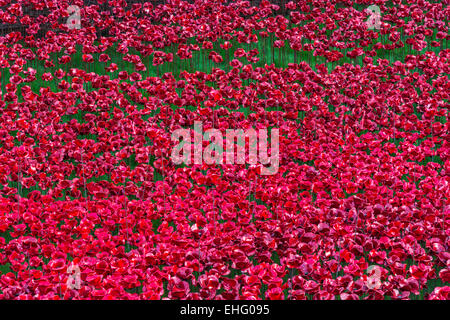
(92, 207)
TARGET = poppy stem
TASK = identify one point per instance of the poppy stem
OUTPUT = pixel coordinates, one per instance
(59, 279)
(125, 199)
(84, 181)
(19, 189)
